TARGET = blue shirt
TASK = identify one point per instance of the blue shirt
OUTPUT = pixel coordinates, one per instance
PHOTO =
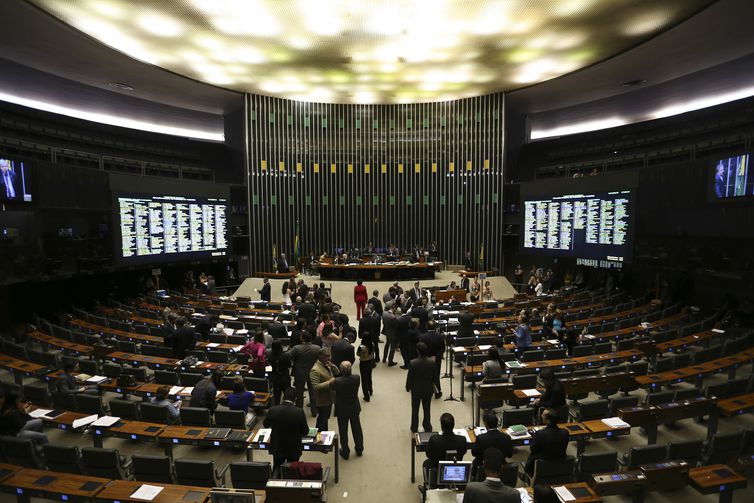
(523, 337)
(557, 324)
(240, 401)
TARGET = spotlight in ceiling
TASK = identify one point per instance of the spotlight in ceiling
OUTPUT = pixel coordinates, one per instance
(120, 86)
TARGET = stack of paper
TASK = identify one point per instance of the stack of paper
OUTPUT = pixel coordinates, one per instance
(175, 390)
(480, 430)
(564, 494)
(485, 347)
(242, 332)
(463, 433)
(187, 390)
(531, 392)
(554, 342)
(83, 377)
(718, 331)
(228, 331)
(84, 421)
(616, 422)
(525, 498)
(263, 435)
(226, 317)
(327, 437)
(213, 345)
(146, 492)
(237, 348)
(106, 421)
(39, 412)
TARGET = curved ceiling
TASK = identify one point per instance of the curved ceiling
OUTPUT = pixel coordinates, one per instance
(372, 51)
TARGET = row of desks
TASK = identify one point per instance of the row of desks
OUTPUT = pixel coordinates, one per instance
(578, 432)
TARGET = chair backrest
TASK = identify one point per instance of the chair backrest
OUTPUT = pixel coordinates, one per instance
(64, 400)
(152, 469)
(518, 416)
(722, 447)
(597, 462)
(681, 360)
(190, 378)
(721, 390)
(154, 413)
(663, 365)
(554, 471)
(126, 346)
(90, 367)
(250, 474)
(660, 397)
(689, 450)
(625, 344)
(555, 354)
(112, 370)
(20, 451)
(165, 377)
(643, 454)
(638, 368)
(140, 374)
(218, 356)
(91, 404)
(622, 402)
(125, 409)
(63, 458)
(102, 463)
(257, 384)
(230, 419)
(524, 381)
(37, 394)
(603, 347)
(195, 416)
(594, 409)
(196, 472)
(533, 355)
(685, 394)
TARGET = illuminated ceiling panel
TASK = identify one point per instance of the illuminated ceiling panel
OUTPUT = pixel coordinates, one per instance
(372, 51)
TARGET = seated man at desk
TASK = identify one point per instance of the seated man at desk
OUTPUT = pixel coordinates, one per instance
(548, 443)
(554, 395)
(67, 383)
(493, 438)
(446, 446)
(492, 490)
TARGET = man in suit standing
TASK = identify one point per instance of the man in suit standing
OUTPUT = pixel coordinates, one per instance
(302, 358)
(436, 348)
(465, 324)
(375, 302)
(264, 293)
(369, 326)
(308, 310)
(464, 283)
(438, 446)
(421, 313)
(282, 264)
(548, 443)
(347, 409)
(389, 321)
(343, 350)
(492, 490)
(420, 383)
(493, 438)
(289, 425)
(467, 263)
(407, 339)
(277, 331)
(322, 376)
(416, 293)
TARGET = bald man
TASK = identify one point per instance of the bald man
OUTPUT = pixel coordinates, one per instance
(347, 409)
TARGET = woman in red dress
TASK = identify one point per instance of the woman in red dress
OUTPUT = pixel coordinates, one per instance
(360, 297)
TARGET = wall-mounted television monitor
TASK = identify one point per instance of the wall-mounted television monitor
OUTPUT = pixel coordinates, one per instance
(596, 225)
(732, 177)
(165, 228)
(15, 181)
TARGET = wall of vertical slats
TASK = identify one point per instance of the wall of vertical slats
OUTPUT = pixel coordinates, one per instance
(350, 175)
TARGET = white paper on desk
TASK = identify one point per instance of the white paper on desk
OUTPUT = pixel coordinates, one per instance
(175, 390)
(187, 390)
(287, 311)
(718, 331)
(476, 332)
(237, 349)
(263, 435)
(327, 437)
(228, 331)
(268, 368)
(147, 492)
(588, 336)
(485, 347)
(197, 315)
(564, 494)
(213, 344)
(459, 349)
(525, 498)
(554, 342)
(463, 433)
(226, 317)
(106, 421)
(39, 412)
(531, 392)
(480, 430)
(84, 421)
(242, 332)
(200, 362)
(96, 379)
(616, 422)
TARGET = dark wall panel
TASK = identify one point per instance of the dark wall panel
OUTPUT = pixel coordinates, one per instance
(349, 175)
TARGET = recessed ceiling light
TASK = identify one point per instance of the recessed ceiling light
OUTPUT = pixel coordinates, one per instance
(120, 86)
(632, 83)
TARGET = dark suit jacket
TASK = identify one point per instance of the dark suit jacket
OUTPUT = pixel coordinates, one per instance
(465, 284)
(438, 445)
(423, 316)
(277, 330)
(308, 311)
(490, 491)
(288, 424)
(376, 305)
(183, 341)
(493, 438)
(265, 292)
(282, 265)
(465, 321)
(549, 443)
(389, 322)
(467, 264)
(370, 324)
(347, 396)
(14, 183)
(303, 357)
(436, 344)
(342, 351)
(554, 395)
(420, 377)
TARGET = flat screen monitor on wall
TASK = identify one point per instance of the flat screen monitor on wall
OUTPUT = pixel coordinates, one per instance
(14, 181)
(167, 228)
(733, 178)
(596, 225)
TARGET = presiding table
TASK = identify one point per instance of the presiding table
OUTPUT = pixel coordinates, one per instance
(377, 272)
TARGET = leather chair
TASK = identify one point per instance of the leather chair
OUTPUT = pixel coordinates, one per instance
(198, 472)
(250, 474)
(158, 469)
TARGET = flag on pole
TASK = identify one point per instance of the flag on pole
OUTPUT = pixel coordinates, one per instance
(481, 256)
(296, 245)
(274, 256)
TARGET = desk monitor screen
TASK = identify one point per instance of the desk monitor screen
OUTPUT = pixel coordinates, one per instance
(453, 473)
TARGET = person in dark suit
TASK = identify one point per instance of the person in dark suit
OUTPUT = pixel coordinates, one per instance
(465, 322)
(343, 350)
(282, 264)
(347, 409)
(421, 313)
(439, 446)
(184, 339)
(264, 293)
(436, 348)
(277, 330)
(554, 395)
(369, 326)
(289, 425)
(302, 358)
(548, 443)
(408, 336)
(492, 490)
(308, 310)
(465, 283)
(492, 438)
(8, 181)
(389, 329)
(375, 302)
(420, 383)
(416, 293)
(169, 329)
(468, 265)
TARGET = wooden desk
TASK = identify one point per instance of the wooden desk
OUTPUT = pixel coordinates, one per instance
(599, 429)
(590, 384)
(53, 485)
(121, 491)
(118, 334)
(716, 479)
(6, 470)
(442, 296)
(315, 447)
(108, 385)
(682, 342)
(697, 372)
(21, 368)
(65, 420)
(54, 342)
(577, 488)
(131, 430)
(377, 272)
(137, 360)
(649, 417)
(612, 484)
(736, 405)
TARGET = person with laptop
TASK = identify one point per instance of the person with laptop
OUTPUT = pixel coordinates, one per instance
(492, 490)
